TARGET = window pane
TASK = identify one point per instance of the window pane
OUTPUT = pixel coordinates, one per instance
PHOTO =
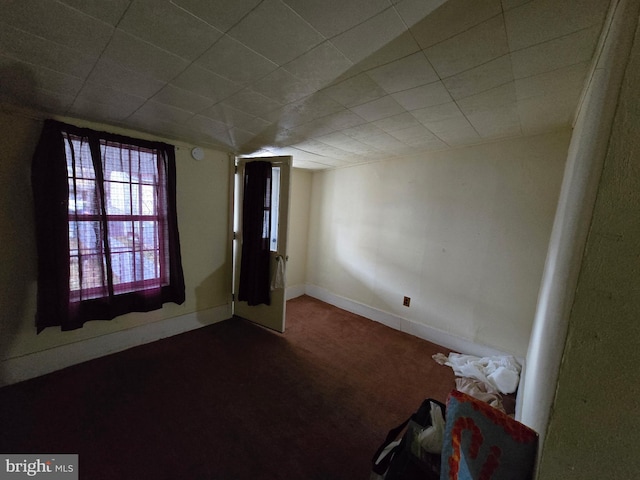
(275, 207)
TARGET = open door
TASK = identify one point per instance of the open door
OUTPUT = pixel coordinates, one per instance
(271, 316)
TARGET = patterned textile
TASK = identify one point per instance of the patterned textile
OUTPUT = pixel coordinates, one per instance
(482, 443)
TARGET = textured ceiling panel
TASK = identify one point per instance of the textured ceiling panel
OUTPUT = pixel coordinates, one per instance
(331, 82)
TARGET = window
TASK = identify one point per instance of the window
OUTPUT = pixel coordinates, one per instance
(120, 246)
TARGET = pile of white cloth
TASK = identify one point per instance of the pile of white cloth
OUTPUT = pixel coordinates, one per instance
(501, 372)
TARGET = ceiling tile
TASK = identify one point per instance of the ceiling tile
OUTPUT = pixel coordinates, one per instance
(112, 112)
(371, 90)
(385, 142)
(423, 96)
(342, 141)
(206, 83)
(111, 74)
(320, 66)
(314, 128)
(401, 46)
(304, 110)
(362, 132)
(23, 46)
(453, 18)
(405, 73)
(163, 112)
(235, 61)
(355, 91)
(22, 77)
(509, 4)
(227, 115)
(496, 122)
(367, 38)
(183, 99)
(342, 119)
(58, 23)
(110, 12)
(437, 113)
(287, 37)
(169, 27)
(416, 134)
(331, 17)
(377, 109)
(257, 125)
(38, 99)
(502, 96)
(282, 87)
(120, 104)
(397, 122)
(454, 131)
(414, 11)
(21, 83)
(239, 137)
(493, 113)
(138, 55)
(470, 49)
(206, 125)
(574, 48)
(251, 102)
(485, 77)
(543, 20)
(222, 14)
(567, 81)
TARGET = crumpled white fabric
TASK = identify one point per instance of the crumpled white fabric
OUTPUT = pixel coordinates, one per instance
(501, 371)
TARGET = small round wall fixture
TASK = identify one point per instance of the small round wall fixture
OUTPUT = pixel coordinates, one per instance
(197, 153)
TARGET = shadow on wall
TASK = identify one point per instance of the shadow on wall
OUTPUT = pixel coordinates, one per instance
(205, 295)
(18, 257)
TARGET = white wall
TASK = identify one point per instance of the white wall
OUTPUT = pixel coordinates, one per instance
(298, 231)
(464, 233)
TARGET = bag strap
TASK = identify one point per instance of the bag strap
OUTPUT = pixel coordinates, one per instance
(383, 456)
(381, 462)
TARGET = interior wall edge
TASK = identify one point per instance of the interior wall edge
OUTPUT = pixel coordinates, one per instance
(587, 151)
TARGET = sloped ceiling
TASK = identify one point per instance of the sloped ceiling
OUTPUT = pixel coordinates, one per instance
(331, 82)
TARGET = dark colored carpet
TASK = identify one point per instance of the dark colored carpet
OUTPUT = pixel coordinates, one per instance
(232, 401)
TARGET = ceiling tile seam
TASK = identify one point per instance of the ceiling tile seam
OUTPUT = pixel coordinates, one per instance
(553, 40)
(464, 31)
(408, 29)
(99, 56)
(348, 29)
(292, 11)
(213, 26)
(82, 12)
(435, 134)
(47, 40)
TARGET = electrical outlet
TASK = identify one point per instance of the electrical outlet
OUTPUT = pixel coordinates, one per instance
(406, 301)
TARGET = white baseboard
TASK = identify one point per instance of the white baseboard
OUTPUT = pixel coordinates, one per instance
(294, 291)
(420, 330)
(13, 370)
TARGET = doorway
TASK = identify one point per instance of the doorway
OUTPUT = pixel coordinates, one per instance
(271, 316)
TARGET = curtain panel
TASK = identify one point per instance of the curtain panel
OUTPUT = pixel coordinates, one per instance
(106, 226)
(255, 276)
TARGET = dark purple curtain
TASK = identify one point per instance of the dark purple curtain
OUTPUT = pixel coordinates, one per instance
(256, 233)
(106, 226)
